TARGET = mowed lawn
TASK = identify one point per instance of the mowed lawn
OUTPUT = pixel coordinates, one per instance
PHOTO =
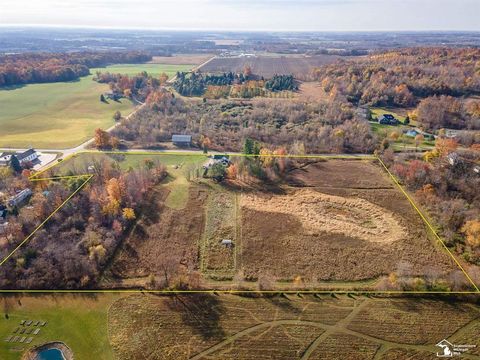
(78, 320)
(151, 69)
(55, 115)
(64, 114)
(177, 166)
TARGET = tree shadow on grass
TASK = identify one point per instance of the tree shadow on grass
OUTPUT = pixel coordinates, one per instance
(285, 304)
(201, 312)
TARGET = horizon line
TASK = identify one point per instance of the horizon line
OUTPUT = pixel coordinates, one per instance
(224, 30)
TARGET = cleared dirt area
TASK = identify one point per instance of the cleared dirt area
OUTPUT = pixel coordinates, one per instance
(312, 91)
(338, 220)
(209, 326)
(268, 66)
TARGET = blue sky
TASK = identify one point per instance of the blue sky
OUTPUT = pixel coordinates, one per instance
(320, 15)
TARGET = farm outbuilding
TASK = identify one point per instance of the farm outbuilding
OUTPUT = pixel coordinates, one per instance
(19, 197)
(227, 242)
(182, 140)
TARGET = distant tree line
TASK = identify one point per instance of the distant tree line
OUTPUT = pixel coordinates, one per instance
(30, 68)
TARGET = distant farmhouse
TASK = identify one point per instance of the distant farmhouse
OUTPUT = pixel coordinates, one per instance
(182, 140)
(23, 157)
(388, 119)
(115, 96)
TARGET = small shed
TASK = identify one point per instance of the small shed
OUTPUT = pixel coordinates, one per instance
(412, 133)
(182, 140)
(227, 243)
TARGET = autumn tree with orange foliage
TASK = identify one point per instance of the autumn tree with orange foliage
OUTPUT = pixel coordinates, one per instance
(472, 232)
(103, 140)
(232, 172)
(445, 146)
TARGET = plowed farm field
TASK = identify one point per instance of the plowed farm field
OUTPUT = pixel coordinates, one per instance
(267, 66)
(208, 326)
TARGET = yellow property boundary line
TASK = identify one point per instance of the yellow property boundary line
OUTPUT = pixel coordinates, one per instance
(88, 177)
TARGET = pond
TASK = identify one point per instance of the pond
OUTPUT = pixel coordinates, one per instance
(50, 354)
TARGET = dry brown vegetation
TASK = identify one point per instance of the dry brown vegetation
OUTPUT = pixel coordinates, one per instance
(208, 326)
(337, 221)
(164, 243)
(326, 223)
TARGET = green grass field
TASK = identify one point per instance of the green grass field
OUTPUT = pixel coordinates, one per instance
(80, 321)
(177, 167)
(65, 114)
(152, 69)
(55, 115)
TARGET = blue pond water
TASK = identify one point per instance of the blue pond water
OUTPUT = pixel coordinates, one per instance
(50, 354)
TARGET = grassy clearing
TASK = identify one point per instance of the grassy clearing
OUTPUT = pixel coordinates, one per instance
(376, 112)
(55, 115)
(152, 69)
(221, 223)
(64, 114)
(403, 142)
(177, 167)
(80, 321)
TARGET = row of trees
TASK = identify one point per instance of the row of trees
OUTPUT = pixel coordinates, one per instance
(29, 68)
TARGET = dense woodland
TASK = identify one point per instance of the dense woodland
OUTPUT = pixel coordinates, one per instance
(71, 250)
(30, 68)
(427, 77)
(299, 127)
